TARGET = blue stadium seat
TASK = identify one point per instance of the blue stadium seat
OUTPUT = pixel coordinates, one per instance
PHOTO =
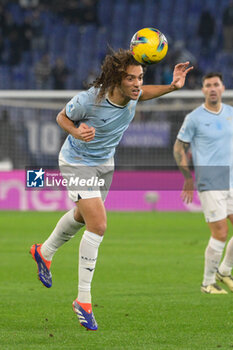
(119, 24)
(56, 45)
(180, 10)
(19, 75)
(71, 57)
(102, 40)
(212, 5)
(17, 12)
(119, 20)
(6, 79)
(27, 57)
(134, 20)
(87, 37)
(47, 20)
(150, 15)
(105, 10)
(71, 45)
(30, 80)
(72, 32)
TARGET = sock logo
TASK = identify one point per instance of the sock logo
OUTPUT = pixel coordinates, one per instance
(89, 269)
(88, 259)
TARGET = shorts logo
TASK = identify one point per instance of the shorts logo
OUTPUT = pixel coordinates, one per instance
(213, 213)
(35, 178)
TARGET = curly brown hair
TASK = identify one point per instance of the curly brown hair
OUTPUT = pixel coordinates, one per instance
(113, 70)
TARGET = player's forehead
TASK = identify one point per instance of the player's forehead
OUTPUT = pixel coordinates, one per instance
(212, 81)
(134, 70)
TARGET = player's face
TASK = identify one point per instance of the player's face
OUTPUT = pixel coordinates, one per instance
(132, 82)
(213, 89)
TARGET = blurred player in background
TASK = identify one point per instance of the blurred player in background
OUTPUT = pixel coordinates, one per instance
(209, 131)
(95, 121)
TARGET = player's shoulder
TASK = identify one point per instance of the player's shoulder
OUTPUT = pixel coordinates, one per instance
(195, 113)
(86, 96)
(227, 107)
(81, 102)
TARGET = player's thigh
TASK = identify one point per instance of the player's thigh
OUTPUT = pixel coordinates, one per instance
(107, 177)
(230, 217)
(230, 208)
(214, 205)
(94, 214)
(230, 205)
(105, 173)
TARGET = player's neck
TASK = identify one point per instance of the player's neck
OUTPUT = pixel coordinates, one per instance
(117, 98)
(213, 107)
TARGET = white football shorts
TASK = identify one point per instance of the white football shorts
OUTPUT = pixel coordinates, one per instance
(84, 182)
(216, 205)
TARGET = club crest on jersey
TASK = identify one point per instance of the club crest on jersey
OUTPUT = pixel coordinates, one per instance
(71, 107)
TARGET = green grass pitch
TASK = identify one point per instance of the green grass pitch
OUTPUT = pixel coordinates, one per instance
(146, 288)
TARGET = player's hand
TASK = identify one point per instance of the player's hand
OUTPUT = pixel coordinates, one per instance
(179, 74)
(84, 132)
(188, 190)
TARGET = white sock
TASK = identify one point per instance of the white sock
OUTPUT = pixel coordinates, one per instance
(88, 252)
(65, 229)
(213, 254)
(227, 263)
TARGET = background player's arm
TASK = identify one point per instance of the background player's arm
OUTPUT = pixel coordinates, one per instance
(83, 132)
(179, 75)
(179, 151)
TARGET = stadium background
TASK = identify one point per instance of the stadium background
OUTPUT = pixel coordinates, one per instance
(35, 34)
(146, 289)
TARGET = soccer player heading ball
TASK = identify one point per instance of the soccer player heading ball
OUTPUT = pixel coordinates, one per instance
(95, 121)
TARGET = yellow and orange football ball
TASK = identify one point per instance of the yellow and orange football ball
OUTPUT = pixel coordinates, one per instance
(149, 46)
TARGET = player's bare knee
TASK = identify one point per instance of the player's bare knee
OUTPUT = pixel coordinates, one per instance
(100, 228)
(220, 235)
(223, 236)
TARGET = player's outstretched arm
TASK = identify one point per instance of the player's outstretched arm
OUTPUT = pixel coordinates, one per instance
(179, 151)
(83, 132)
(179, 75)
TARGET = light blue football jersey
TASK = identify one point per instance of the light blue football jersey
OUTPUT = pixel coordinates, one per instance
(109, 120)
(211, 137)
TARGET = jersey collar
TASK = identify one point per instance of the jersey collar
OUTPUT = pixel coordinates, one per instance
(114, 104)
(208, 110)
